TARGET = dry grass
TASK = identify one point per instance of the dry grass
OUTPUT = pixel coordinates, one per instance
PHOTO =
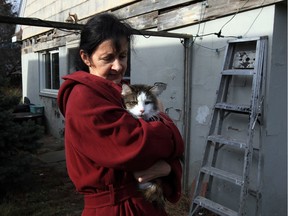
(49, 192)
(181, 208)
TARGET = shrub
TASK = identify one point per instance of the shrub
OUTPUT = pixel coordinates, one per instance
(17, 142)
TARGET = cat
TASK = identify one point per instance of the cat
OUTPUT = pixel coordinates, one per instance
(142, 102)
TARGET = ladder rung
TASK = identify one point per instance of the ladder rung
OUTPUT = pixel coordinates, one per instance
(214, 207)
(240, 72)
(227, 141)
(233, 107)
(231, 177)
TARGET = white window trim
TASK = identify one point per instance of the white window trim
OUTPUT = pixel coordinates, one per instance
(44, 91)
(69, 46)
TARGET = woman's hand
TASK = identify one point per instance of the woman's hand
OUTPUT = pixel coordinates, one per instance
(159, 169)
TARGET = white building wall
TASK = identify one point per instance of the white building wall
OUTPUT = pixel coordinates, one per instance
(30, 76)
(160, 59)
(207, 62)
(275, 133)
(208, 57)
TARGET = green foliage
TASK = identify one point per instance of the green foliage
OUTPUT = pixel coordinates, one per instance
(10, 53)
(9, 130)
(29, 134)
(17, 140)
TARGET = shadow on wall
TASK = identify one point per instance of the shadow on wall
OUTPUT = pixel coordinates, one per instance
(32, 89)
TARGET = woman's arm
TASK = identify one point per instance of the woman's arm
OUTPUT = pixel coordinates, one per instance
(171, 177)
(159, 169)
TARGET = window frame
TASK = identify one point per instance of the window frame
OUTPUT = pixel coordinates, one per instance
(42, 57)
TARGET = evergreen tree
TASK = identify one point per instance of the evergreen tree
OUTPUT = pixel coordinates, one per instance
(17, 140)
(10, 53)
(10, 56)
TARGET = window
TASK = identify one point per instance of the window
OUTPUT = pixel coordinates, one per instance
(49, 69)
(72, 55)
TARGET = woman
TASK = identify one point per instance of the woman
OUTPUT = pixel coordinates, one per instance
(108, 151)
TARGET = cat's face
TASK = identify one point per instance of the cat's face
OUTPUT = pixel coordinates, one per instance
(141, 100)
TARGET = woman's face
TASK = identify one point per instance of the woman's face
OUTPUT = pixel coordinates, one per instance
(106, 62)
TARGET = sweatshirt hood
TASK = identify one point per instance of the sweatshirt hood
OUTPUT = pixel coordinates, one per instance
(105, 87)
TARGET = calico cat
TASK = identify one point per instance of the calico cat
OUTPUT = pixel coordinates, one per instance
(142, 102)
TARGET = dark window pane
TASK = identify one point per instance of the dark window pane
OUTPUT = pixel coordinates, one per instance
(55, 71)
(47, 71)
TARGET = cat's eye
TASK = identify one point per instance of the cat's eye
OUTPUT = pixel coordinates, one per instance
(148, 102)
(132, 103)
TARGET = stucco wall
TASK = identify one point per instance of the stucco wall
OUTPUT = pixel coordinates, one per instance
(160, 59)
(208, 57)
(30, 76)
(275, 133)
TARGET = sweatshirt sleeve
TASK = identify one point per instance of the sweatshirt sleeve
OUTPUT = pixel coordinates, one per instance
(172, 184)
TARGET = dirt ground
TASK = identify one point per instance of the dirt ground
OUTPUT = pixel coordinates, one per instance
(48, 190)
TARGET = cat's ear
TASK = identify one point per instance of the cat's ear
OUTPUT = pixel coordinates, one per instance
(158, 88)
(126, 89)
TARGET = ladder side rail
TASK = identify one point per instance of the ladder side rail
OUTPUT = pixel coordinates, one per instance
(200, 177)
(229, 55)
(205, 159)
(248, 155)
(222, 96)
(219, 132)
(259, 73)
(228, 79)
(197, 191)
(204, 163)
(257, 85)
(258, 211)
(216, 144)
(213, 162)
(260, 154)
(260, 66)
(246, 169)
(254, 109)
(223, 87)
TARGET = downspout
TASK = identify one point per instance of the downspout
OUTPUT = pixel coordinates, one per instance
(187, 108)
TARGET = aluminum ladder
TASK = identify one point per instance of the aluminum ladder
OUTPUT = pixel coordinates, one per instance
(215, 140)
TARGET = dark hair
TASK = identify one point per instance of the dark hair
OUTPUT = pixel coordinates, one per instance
(98, 29)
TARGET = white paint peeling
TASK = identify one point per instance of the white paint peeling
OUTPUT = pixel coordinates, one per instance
(202, 113)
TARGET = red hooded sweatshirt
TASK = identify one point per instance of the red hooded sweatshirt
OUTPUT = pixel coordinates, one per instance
(105, 144)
